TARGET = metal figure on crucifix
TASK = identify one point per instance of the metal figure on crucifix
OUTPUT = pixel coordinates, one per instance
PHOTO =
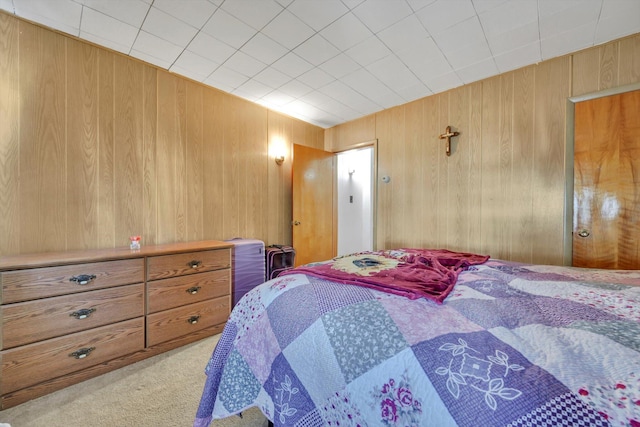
(448, 135)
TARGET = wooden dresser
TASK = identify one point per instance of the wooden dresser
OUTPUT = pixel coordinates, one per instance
(69, 316)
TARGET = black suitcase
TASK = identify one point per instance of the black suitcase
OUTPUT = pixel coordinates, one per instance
(278, 259)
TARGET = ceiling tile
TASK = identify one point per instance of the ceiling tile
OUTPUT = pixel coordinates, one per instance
(318, 14)
(464, 33)
(509, 16)
(425, 59)
(288, 30)
(414, 91)
(370, 50)
(393, 73)
(482, 6)
(144, 56)
(255, 14)
(168, 28)
(211, 48)
(196, 14)
(364, 82)
(416, 5)
(404, 33)
(98, 27)
(7, 5)
(63, 15)
(253, 88)
(440, 15)
(380, 14)
(513, 39)
(316, 50)
(478, 71)
(295, 88)
(518, 58)
(443, 82)
(193, 66)
(244, 64)
(346, 32)
(226, 78)
(271, 77)
(292, 65)
(155, 47)
(568, 41)
(316, 78)
(619, 22)
(277, 98)
(339, 66)
(131, 12)
(557, 23)
(264, 49)
(228, 29)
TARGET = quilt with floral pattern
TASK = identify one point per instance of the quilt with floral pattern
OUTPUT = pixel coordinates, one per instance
(512, 345)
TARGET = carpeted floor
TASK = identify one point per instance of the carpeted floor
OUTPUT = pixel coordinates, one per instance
(162, 391)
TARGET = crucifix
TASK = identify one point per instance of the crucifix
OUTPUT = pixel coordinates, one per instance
(448, 135)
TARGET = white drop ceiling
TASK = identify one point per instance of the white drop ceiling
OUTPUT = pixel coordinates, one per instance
(331, 61)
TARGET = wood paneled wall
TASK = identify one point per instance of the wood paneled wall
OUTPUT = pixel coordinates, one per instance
(96, 146)
(502, 191)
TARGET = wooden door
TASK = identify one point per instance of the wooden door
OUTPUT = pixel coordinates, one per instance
(606, 228)
(313, 186)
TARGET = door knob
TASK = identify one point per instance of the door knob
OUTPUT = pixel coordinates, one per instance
(583, 233)
(296, 222)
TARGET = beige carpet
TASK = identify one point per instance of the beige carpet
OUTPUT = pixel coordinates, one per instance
(162, 391)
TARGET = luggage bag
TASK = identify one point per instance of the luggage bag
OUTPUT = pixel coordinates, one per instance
(279, 258)
(247, 266)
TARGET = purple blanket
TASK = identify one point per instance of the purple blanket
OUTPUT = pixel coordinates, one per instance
(412, 273)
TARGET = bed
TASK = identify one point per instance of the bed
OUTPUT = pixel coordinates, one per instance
(452, 339)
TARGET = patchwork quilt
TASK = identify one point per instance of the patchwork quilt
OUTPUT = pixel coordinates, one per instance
(512, 345)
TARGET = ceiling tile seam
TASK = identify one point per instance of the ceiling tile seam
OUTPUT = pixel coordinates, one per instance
(251, 38)
(139, 28)
(484, 33)
(595, 33)
(539, 34)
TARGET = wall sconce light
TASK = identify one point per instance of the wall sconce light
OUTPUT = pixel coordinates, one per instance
(279, 160)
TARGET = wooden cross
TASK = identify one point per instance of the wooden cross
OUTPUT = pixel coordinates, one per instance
(448, 135)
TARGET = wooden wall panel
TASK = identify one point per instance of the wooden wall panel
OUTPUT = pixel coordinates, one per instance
(43, 197)
(149, 151)
(629, 68)
(194, 163)
(128, 153)
(213, 173)
(9, 135)
(520, 201)
(82, 149)
(106, 220)
(552, 88)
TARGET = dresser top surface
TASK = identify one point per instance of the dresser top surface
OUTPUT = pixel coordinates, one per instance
(46, 259)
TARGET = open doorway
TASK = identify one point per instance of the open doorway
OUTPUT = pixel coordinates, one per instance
(355, 175)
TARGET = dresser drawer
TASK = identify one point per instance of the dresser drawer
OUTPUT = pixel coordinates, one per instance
(170, 293)
(165, 266)
(24, 285)
(169, 324)
(31, 364)
(32, 321)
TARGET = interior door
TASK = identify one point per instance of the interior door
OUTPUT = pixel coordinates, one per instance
(606, 228)
(313, 231)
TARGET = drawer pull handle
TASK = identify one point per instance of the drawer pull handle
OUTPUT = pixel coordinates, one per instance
(83, 279)
(83, 313)
(193, 319)
(193, 290)
(82, 353)
(195, 264)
